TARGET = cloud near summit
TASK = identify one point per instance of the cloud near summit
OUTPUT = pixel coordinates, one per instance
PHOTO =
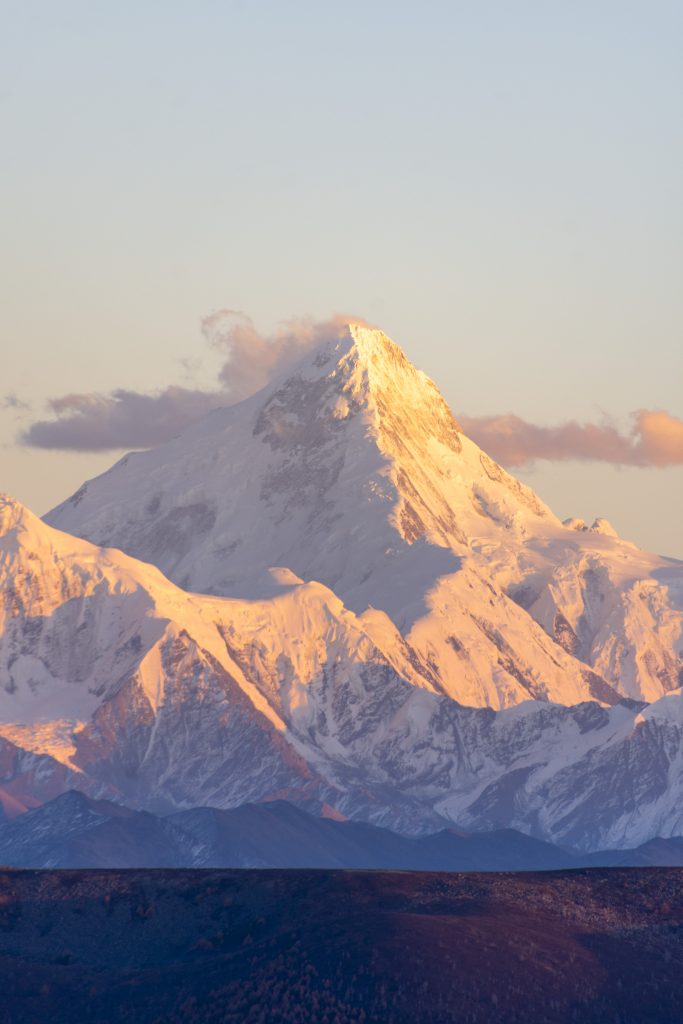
(130, 419)
(133, 419)
(253, 359)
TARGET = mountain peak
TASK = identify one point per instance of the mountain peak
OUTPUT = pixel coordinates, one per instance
(14, 515)
(360, 358)
(331, 470)
(392, 375)
(360, 371)
(10, 510)
(367, 358)
(377, 350)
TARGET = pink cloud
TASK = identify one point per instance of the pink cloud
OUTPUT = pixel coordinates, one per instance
(655, 439)
(132, 419)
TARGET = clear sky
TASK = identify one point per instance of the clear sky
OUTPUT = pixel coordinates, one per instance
(498, 185)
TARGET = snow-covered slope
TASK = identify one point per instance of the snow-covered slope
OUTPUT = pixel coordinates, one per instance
(129, 684)
(352, 471)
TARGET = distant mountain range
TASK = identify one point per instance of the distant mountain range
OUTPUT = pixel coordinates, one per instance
(330, 596)
(74, 831)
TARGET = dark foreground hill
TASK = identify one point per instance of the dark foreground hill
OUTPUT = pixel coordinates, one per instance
(331, 947)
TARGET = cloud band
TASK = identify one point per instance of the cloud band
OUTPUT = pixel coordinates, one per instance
(130, 419)
(655, 439)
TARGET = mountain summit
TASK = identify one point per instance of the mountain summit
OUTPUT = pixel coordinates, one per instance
(335, 470)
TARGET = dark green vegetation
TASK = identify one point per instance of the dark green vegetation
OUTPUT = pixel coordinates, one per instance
(331, 947)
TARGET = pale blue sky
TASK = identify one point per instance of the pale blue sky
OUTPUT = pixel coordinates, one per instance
(497, 185)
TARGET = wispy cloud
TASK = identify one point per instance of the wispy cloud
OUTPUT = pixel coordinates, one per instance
(253, 359)
(655, 439)
(132, 419)
(120, 419)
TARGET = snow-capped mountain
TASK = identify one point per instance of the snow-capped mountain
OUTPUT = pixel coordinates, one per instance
(352, 471)
(435, 648)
